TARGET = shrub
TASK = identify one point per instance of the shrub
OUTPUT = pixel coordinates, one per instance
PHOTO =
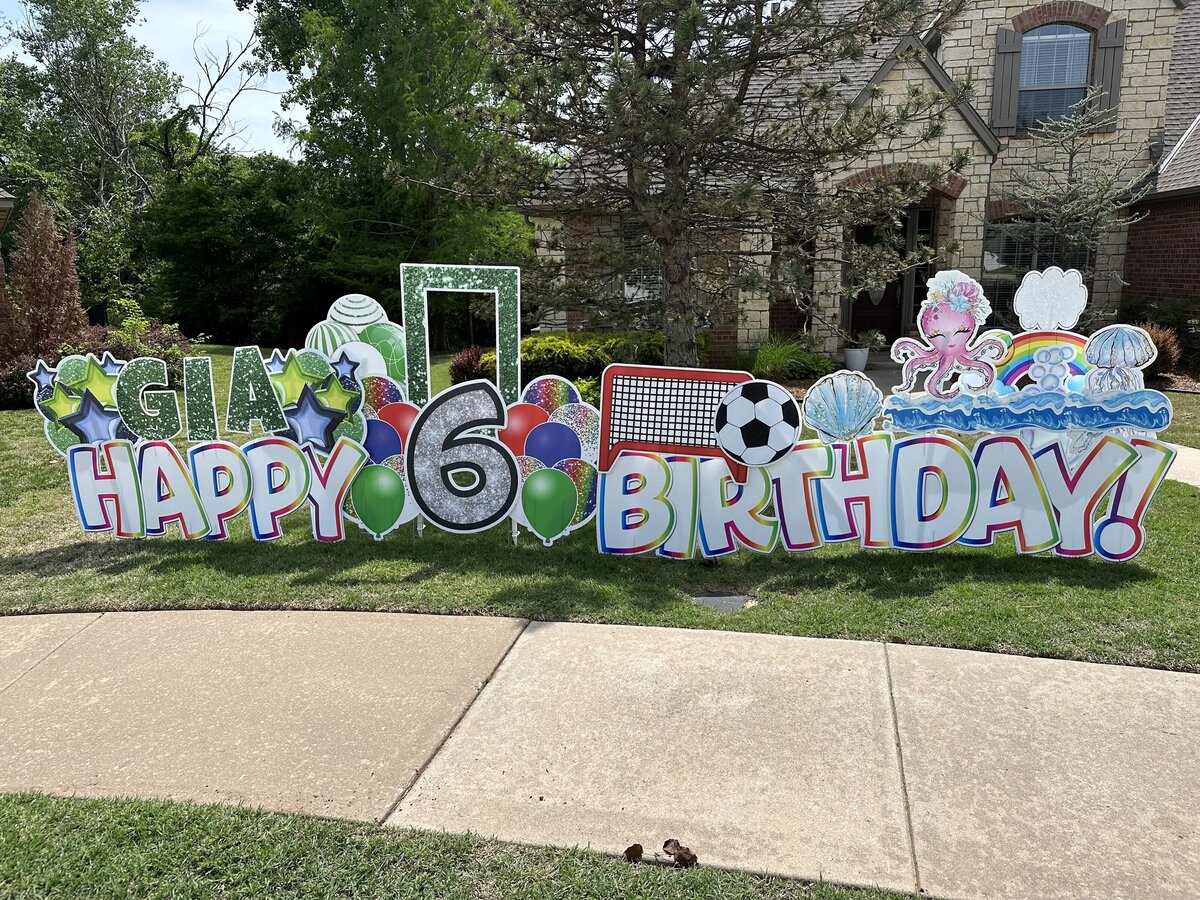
(16, 391)
(784, 358)
(136, 336)
(1169, 350)
(579, 356)
(467, 365)
(589, 390)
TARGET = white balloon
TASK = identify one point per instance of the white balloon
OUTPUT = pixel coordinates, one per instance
(370, 361)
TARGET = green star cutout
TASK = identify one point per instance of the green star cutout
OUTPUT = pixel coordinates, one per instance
(95, 380)
(291, 381)
(60, 403)
(335, 396)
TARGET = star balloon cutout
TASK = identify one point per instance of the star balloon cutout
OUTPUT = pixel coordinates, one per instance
(313, 422)
(97, 382)
(275, 363)
(336, 396)
(344, 366)
(42, 375)
(92, 422)
(110, 364)
(61, 403)
(293, 380)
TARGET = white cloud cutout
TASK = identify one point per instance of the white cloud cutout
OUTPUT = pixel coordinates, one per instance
(1050, 300)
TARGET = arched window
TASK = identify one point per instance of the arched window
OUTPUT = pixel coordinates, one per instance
(1056, 62)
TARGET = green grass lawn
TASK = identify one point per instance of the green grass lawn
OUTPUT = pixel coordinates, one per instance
(1185, 421)
(52, 847)
(1142, 613)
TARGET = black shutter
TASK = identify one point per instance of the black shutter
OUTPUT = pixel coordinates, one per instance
(1110, 55)
(1007, 84)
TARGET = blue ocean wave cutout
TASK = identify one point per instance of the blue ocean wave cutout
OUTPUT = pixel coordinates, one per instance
(1144, 410)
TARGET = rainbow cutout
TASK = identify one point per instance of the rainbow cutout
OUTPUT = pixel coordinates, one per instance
(1016, 362)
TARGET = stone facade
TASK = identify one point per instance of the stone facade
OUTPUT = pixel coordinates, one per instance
(969, 51)
(966, 204)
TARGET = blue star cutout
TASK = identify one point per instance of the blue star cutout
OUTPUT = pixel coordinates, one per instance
(92, 422)
(42, 375)
(344, 366)
(312, 422)
(110, 365)
(275, 365)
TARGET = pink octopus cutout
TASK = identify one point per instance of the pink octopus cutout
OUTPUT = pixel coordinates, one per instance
(951, 314)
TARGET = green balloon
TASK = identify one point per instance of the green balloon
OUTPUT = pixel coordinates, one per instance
(378, 497)
(549, 499)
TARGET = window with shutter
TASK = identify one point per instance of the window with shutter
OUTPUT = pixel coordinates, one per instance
(1047, 67)
(1110, 56)
(1007, 81)
(1055, 70)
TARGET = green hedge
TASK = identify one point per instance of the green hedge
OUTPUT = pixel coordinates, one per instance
(582, 355)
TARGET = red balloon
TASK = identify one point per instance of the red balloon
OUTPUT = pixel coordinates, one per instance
(400, 416)
(522, 419)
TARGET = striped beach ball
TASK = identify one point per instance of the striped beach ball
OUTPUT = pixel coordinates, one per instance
(328, 336)
(356, 310)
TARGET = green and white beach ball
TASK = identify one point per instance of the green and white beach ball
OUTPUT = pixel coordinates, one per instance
(356, 310)
(328, 336)
(388, 339)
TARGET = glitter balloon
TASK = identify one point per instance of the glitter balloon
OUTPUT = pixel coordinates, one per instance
(60, 437)
(527, 464)
(314, 364)
(378, 392)
(550, 392)
(584, 420)
(353, 427)
(586, 478)
(72, 369)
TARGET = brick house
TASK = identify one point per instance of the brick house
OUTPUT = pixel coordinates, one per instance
(1164, 247)
(1027, 62)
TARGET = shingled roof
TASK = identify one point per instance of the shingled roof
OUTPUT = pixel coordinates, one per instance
(1180, 170)
(1183, 92)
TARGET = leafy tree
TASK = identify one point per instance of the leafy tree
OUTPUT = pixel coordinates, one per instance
(105, 86)
(1077, 194)
(45, 287)
(231, 249)
(710, 129)
(388, 87)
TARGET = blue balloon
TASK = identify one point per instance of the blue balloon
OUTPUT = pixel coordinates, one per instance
(552, 442)
(381, 441)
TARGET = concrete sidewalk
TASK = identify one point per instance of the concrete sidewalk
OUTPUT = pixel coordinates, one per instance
(958, 774)
(1186, 467)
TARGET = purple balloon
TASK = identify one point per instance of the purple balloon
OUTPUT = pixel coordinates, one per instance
(552, 442)
(381, 441)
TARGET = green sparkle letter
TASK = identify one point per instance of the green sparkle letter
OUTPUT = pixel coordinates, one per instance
(151, 415)
(251, 395)
(198, 399)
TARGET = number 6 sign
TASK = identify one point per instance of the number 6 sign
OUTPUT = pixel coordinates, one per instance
(441, 447)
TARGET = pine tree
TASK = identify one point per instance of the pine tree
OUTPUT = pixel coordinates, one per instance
(45, 284)
(1078, 192)
(711, 131)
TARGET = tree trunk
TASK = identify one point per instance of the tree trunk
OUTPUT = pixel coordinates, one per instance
(679, 318)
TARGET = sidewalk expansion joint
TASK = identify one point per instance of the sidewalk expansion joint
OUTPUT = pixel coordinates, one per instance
(70, 637)
(912, 844)
(416, 776)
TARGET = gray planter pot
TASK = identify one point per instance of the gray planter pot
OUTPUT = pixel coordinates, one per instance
(856, 358)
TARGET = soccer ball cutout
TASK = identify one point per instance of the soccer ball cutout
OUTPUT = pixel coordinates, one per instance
(757, 423)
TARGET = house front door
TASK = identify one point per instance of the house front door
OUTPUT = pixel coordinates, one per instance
(892, 308)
